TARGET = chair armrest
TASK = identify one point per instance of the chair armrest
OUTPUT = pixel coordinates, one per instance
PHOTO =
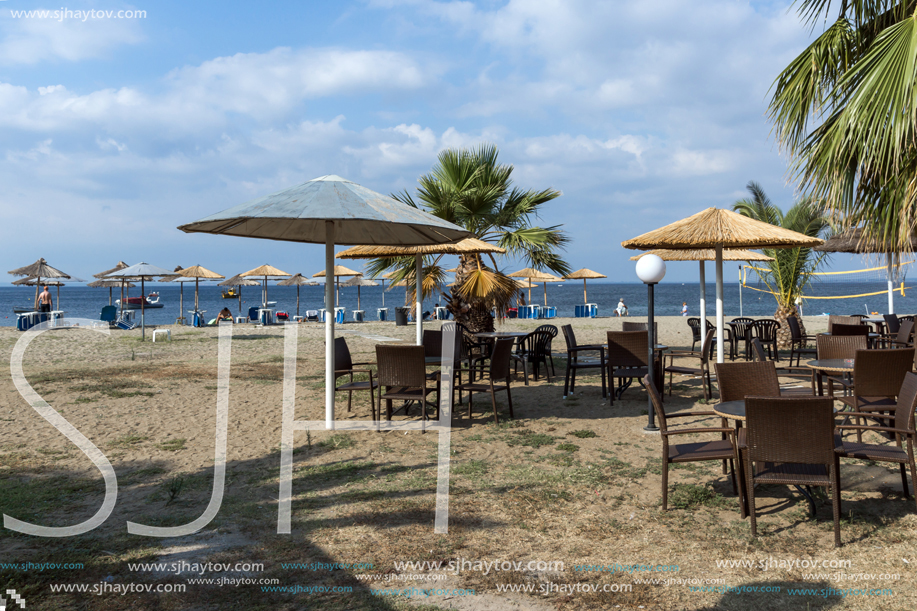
(696, 353)
(701, 430)
(587, 347)
(863, 427)
(365, 363)
(870, 414)
(683, 414)
(346, 371)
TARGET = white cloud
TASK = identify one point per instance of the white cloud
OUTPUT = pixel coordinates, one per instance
(30, 41)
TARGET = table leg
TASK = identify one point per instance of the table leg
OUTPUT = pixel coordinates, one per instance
(818, 382)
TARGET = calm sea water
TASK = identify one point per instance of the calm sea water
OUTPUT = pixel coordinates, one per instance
(84, 302)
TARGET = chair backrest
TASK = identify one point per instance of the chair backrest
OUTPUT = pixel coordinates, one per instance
(841, 329)
(657, 406)
(880, 373)
(758, 350)
(548, 329)
(432, 342)
(907, 401)
(343, 361)
(892, 322)
(694, 323)
(905, 331)
(253, 313)
(109, 313)
(627, 348)
(569, 336)
(844, 320)
(790, 429)
(641, 326)
(500, 358)
(839, 346)
(795, 329)
(705, 347)
(742, 326)
(859, 316)
(401, 366)
(470, 345)
(739, 379)
(766, 329)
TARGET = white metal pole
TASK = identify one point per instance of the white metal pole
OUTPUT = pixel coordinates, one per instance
(418, 296)
(703, 303)
(891, 286)
(329, 325)
(719, 303)
(741, 311)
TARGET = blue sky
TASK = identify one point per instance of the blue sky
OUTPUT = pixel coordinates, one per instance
(115, 131)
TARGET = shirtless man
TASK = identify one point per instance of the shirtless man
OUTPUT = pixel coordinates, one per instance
(44, 301)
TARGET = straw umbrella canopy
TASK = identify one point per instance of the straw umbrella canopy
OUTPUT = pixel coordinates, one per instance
(585, 274)
(339, 272)
(468, 246)
(40, 269)
(197, 272)
(855, 241)
(297, 280)
(330, 210)
(717, 229)
(537, 277)
(181, 280)
(143, 271)
(238, 281)
(701, 255)
(359, 281)
(265, 271)
(108, 284)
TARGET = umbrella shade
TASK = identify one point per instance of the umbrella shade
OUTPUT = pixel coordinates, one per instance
(359, 281)
(238, 280)
(297, 280)
(532, 274)
(109, 284)
(467, 246)
(544, 284)
(719, 229)
(265, 271)
(197, 272)
(330, 210)
(39, 269)
(121, 265)
(143, 271)
(704, 254)
(339, 270)
(585, 274)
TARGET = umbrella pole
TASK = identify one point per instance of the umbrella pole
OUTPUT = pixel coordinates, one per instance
(719, 303)
(58, 297)
(891, 286)
(142, 310)
(585, 297)
(297, 300)
(110, 290)
(544, 286)
(240, 300)
(181, 302)
(196, 285)
(703, 303)
(329, 325)
(383, 292)
(418, 296)
(358, 298)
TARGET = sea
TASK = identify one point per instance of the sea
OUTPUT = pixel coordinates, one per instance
(84, 302)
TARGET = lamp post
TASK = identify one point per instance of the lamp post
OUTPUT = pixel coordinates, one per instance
(651, 271)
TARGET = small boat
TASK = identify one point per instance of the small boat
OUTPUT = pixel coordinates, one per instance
(149, 302)
(232, 293)
(23, 309)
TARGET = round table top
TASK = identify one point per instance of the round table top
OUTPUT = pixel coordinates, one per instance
(734, 410)
(499, 334)
(838, 365)
(661, 347)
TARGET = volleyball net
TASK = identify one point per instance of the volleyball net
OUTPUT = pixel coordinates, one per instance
(837, 285)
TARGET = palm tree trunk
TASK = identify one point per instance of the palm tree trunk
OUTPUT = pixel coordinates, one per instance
(474, 314)
(784, 337)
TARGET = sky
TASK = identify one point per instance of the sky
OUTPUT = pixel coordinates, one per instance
(116, 131)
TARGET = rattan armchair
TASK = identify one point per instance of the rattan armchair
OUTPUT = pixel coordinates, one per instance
(877, 378)
(791, 441)
(344, 366)
(703, 362)
(839, 347)
(499, 372)
(834, 319)
(575, 362)
(802, 373)
(403, 376)
(902, 427)
(719, 449)
(627, 354)
(903, 338)
(842, 329)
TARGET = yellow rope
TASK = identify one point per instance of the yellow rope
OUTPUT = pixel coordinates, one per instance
(901, 289)
(858, 271)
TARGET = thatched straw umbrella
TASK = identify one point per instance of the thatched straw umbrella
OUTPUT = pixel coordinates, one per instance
(718, 229)
(297, 280)
(585, 274)
(197, 272)
(359, 281)
(265, 271)
(537, 277)
(339, 272)
(467, 246)
(855, 241)
(701, 255)
(238, 281)
(38, 270)
(108, 284)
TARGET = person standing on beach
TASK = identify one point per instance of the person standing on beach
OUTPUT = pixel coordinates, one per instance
(684, 308)
(44, 300)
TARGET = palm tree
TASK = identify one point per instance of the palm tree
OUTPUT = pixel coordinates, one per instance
(792, 268)
(471, 189)
(845, 110)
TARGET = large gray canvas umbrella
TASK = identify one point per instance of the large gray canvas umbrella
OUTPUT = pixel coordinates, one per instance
(330, 210)
(40, 269)
(297, 280)
(143, 271)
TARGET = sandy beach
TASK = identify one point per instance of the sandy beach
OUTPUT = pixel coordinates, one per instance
(573, 481)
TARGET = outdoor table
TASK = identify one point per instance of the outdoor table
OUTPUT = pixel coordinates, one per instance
(843, 366)
(870, 338)
(734, 410)
(500, 334)
(878, 322)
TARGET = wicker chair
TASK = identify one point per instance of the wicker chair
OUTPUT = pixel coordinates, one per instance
(839, 347)
(843, 320)
(344, 366)
(766, 332)
(627, 354)
(720, 449)
(901, 427)
(641, 326)
(741, 332)
(802, 373)
(739, 380)
(499, 372)
(791, 441)
(799, 342)
(575, 363)
(877, 378)
(903, 338)
(891, 323)
(535, 348)
(403, 376)
(703, 369)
